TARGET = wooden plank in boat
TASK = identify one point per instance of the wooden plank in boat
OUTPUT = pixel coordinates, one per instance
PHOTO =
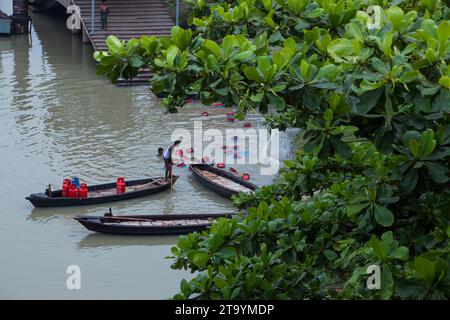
(127, 223)
(224, 181)
(146, 223)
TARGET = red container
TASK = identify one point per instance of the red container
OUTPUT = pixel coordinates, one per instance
(120, 185)
(221, 165)
(83, 191)
(73, 191)
(65, 187)
(205, 113)
(246, 176)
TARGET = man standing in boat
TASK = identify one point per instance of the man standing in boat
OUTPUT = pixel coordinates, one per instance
(167, 156)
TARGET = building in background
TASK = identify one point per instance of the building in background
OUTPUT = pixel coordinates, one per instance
(6, 6)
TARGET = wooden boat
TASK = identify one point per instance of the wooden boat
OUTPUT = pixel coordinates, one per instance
(103, 193)
(149, 224)
(220, 181)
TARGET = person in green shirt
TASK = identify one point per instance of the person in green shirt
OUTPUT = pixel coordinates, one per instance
(104, 12)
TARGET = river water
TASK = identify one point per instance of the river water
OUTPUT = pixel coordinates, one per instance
(59, 119)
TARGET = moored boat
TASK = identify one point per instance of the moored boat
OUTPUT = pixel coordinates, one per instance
(220, 181)
(103, 193)
(149, 224)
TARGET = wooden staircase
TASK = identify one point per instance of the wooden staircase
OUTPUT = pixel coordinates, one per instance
(127, 19)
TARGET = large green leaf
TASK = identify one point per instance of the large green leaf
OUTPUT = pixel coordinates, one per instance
(200, 259)
(136, 62)
(427, 143)
(383, 215)
(340, 49)
(401, 253)
(266, 67)
(276, 101)
(328, 72)
(244, 55)
(115, 46)
(437, 172)
(254, 74)
(377, 247)
(214, 48)
(171, 54)
(424, 270)
(356, 208)
(443, 32)
(226, 253)
(395, 15)
(181, 37)
(367, 101)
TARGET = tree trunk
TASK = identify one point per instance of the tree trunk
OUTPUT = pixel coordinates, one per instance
(21, 19)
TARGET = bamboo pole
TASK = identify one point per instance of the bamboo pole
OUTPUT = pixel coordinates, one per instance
(171, 178)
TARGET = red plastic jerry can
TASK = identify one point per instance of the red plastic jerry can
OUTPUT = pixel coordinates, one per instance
(83, 191)
(65, 188)
(120, 185)
(73, 191)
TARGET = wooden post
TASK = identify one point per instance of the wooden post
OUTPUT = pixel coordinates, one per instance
(92, 16)
(177, 14)
(21, 19)
(171, 178)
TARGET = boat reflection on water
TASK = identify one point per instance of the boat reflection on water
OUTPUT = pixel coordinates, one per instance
(106, 242)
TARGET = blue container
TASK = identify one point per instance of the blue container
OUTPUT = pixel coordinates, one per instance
(76, 182)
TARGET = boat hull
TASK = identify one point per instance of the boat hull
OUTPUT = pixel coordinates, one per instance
(94, 223)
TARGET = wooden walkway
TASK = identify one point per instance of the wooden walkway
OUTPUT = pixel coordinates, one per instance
(127, 19)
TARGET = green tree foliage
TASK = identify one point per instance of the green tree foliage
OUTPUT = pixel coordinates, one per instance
(368, 81)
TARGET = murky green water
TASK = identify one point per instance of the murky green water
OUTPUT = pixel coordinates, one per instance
(59, 119)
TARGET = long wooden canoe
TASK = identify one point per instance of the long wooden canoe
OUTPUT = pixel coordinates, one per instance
(103, 193)
(149, 224)
(220, 181)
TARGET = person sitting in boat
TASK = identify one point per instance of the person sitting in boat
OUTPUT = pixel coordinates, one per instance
(160, 152)
(167, 156)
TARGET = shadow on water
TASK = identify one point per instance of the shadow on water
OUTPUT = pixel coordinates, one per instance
(104, 241)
